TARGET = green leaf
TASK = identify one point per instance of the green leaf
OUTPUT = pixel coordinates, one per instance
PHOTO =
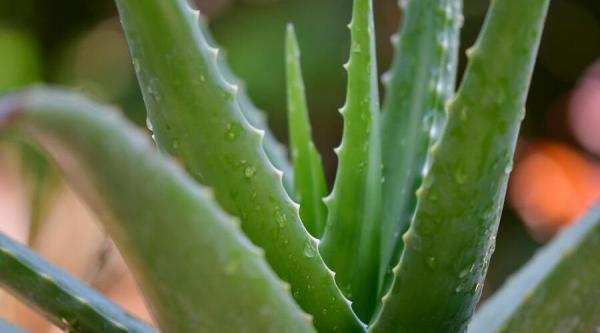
(276, 152)
(6, 327)
(196, 117)
(68, 303)
(419, 83)
(556, 291)
(350, 244)
(310, 177)
(438, 280)
(196, 268)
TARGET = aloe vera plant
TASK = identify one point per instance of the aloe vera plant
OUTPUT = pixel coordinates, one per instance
(219, 244)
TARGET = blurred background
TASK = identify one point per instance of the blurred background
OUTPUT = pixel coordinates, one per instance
(79, 44)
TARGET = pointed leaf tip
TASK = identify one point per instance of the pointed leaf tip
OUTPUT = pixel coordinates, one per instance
(310, 176)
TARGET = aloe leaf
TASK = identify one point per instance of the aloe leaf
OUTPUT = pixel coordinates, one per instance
(448, 245)
(419, 83)
(350, 244)
(557, 291)
(6, 327)
(196, 117)
(68, 303)
(310, 177)
(276, 152)
(196, 268)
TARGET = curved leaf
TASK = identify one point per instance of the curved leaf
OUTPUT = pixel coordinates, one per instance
(196, 268)
(438, 280)
(196, 117)
(65, 301)
(557, 291)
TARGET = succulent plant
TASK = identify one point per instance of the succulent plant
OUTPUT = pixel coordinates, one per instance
(224, 234)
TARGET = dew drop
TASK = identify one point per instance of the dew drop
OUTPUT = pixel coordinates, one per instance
(249, 172)
(309, 251)
(431, 262)
(463, 273)
(233, 131)
(477, 288)
(460, 176)
(280, 218)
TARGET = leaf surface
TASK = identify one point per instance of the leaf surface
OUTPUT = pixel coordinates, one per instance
(418, 85)
(449, 243)
(557, 290)
(310, 177)
(350, 244)
(191, 260)
(65, 301)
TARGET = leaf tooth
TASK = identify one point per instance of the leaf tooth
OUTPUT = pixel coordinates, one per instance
(209, 192)
(346, 65)
(47, 277)
(195, 14)
(214, 52)
(471, 53)
(338, 150)
(328, 199)
(119, 326)
(308, 317)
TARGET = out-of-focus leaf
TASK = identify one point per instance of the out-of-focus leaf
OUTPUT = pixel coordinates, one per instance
(196, 268)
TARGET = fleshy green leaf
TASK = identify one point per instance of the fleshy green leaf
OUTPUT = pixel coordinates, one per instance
(419, 83)
(6, 327)
(68, 303)
(196, 117)
(557, 291)
(310, 177)
(350, 244)
(196, 268)
(276, 152)
(448, 245)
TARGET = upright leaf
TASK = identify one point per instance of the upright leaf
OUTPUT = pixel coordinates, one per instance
(350, 244)
(418, 85)
(65, 301)
(196, 117)
(557, 291)
(196, 268)
(448, 245)
(310, 177)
